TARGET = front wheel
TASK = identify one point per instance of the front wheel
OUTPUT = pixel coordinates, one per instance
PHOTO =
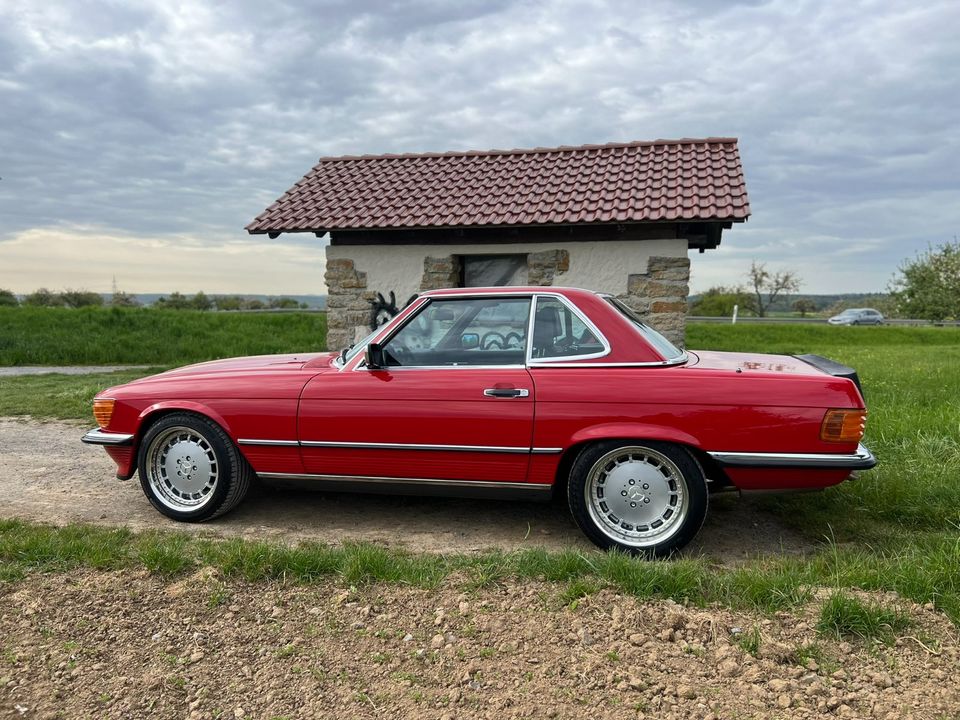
(190, 470)
(644, 497)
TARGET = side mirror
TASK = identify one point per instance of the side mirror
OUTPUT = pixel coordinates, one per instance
(374, 356)
(469, 341)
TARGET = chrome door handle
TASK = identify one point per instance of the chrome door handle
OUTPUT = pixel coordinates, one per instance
(506, 392)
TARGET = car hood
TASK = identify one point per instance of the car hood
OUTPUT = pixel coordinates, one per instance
(751, 362)
(252, 363)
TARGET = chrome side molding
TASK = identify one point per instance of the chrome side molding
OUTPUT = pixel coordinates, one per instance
(418, 486)
(510, 449)
(274, 443)
(863, 459)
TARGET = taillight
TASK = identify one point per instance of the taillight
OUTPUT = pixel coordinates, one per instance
(102, 410)
(843, 425)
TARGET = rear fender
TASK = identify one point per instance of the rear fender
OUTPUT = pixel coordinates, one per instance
(625, 431)
(621, 431)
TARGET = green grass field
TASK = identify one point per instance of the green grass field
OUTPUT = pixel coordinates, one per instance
(146, 336)
(895, 528)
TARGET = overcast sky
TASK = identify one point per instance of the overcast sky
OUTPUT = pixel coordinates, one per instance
(137, 139)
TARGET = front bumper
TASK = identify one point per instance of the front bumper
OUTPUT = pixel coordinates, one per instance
(100, 437)
(862, 459)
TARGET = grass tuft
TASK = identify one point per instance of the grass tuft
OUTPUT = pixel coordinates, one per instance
(749, 641)
(164, 553)
(576, 590)
(844, 616)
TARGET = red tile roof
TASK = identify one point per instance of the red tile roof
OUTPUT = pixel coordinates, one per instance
(664, 180)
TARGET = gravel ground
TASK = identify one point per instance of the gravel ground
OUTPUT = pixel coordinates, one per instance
(48, 475)
(65, 369)
(131, 645)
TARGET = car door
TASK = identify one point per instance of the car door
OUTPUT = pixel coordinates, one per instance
(454, 401)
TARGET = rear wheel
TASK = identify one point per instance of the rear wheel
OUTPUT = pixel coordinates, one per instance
(644, 497)
(190, 470)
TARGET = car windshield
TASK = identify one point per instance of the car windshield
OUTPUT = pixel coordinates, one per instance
(667, 349)
(348, 354)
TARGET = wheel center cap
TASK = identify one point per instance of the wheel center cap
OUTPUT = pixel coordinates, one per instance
(635, 493)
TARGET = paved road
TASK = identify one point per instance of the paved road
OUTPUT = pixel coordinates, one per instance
(48, 475)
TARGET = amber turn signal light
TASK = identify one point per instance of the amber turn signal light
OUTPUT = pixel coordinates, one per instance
(102, 410)
(843, 425)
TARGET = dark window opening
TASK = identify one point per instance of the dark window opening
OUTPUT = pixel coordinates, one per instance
(493, 270)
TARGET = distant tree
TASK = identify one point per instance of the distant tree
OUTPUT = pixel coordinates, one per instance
(228, 302)
(122, 299)
(304, 306)
(175, 301)
(719, 301)
(201, 302)
(8, 299)
(804, 306)
(767, 286)
(283, 303)
(81, 298)
(253, 305)
(43, 298)
(928, 286)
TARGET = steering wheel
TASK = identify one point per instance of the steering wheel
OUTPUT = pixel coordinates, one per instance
(513, 340)
(497, 341)
(400, 353)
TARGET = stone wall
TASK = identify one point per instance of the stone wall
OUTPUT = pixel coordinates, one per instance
(348, 303)
(659, 295)
(440, 272)
(544, 266)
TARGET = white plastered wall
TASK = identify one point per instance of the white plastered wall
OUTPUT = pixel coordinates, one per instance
(598, 265)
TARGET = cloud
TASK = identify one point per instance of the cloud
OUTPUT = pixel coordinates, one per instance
(186, 119)
(83, 257)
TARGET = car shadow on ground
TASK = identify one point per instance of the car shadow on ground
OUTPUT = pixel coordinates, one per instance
(736, 529)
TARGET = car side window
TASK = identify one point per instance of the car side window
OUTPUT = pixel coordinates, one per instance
(463, 331)
(559, 332)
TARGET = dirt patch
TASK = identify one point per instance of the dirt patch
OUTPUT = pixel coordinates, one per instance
(47, 475)
(128, 644)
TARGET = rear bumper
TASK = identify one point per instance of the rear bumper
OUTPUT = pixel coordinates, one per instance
(99, 437)
(862, 459)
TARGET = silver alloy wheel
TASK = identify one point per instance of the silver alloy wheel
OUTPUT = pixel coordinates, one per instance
(182, 469)
(636, 496)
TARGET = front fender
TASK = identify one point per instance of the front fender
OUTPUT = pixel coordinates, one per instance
(629, 430)
(126, 455)
(189, 406)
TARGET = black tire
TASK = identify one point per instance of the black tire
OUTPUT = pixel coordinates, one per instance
(222, 475)
(657, 487)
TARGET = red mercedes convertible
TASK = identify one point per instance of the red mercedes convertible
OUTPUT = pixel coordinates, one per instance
(518, 392)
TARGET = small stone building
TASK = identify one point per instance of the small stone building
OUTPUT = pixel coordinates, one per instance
(618, 218)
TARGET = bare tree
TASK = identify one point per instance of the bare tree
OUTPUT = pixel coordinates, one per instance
(770, 284)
